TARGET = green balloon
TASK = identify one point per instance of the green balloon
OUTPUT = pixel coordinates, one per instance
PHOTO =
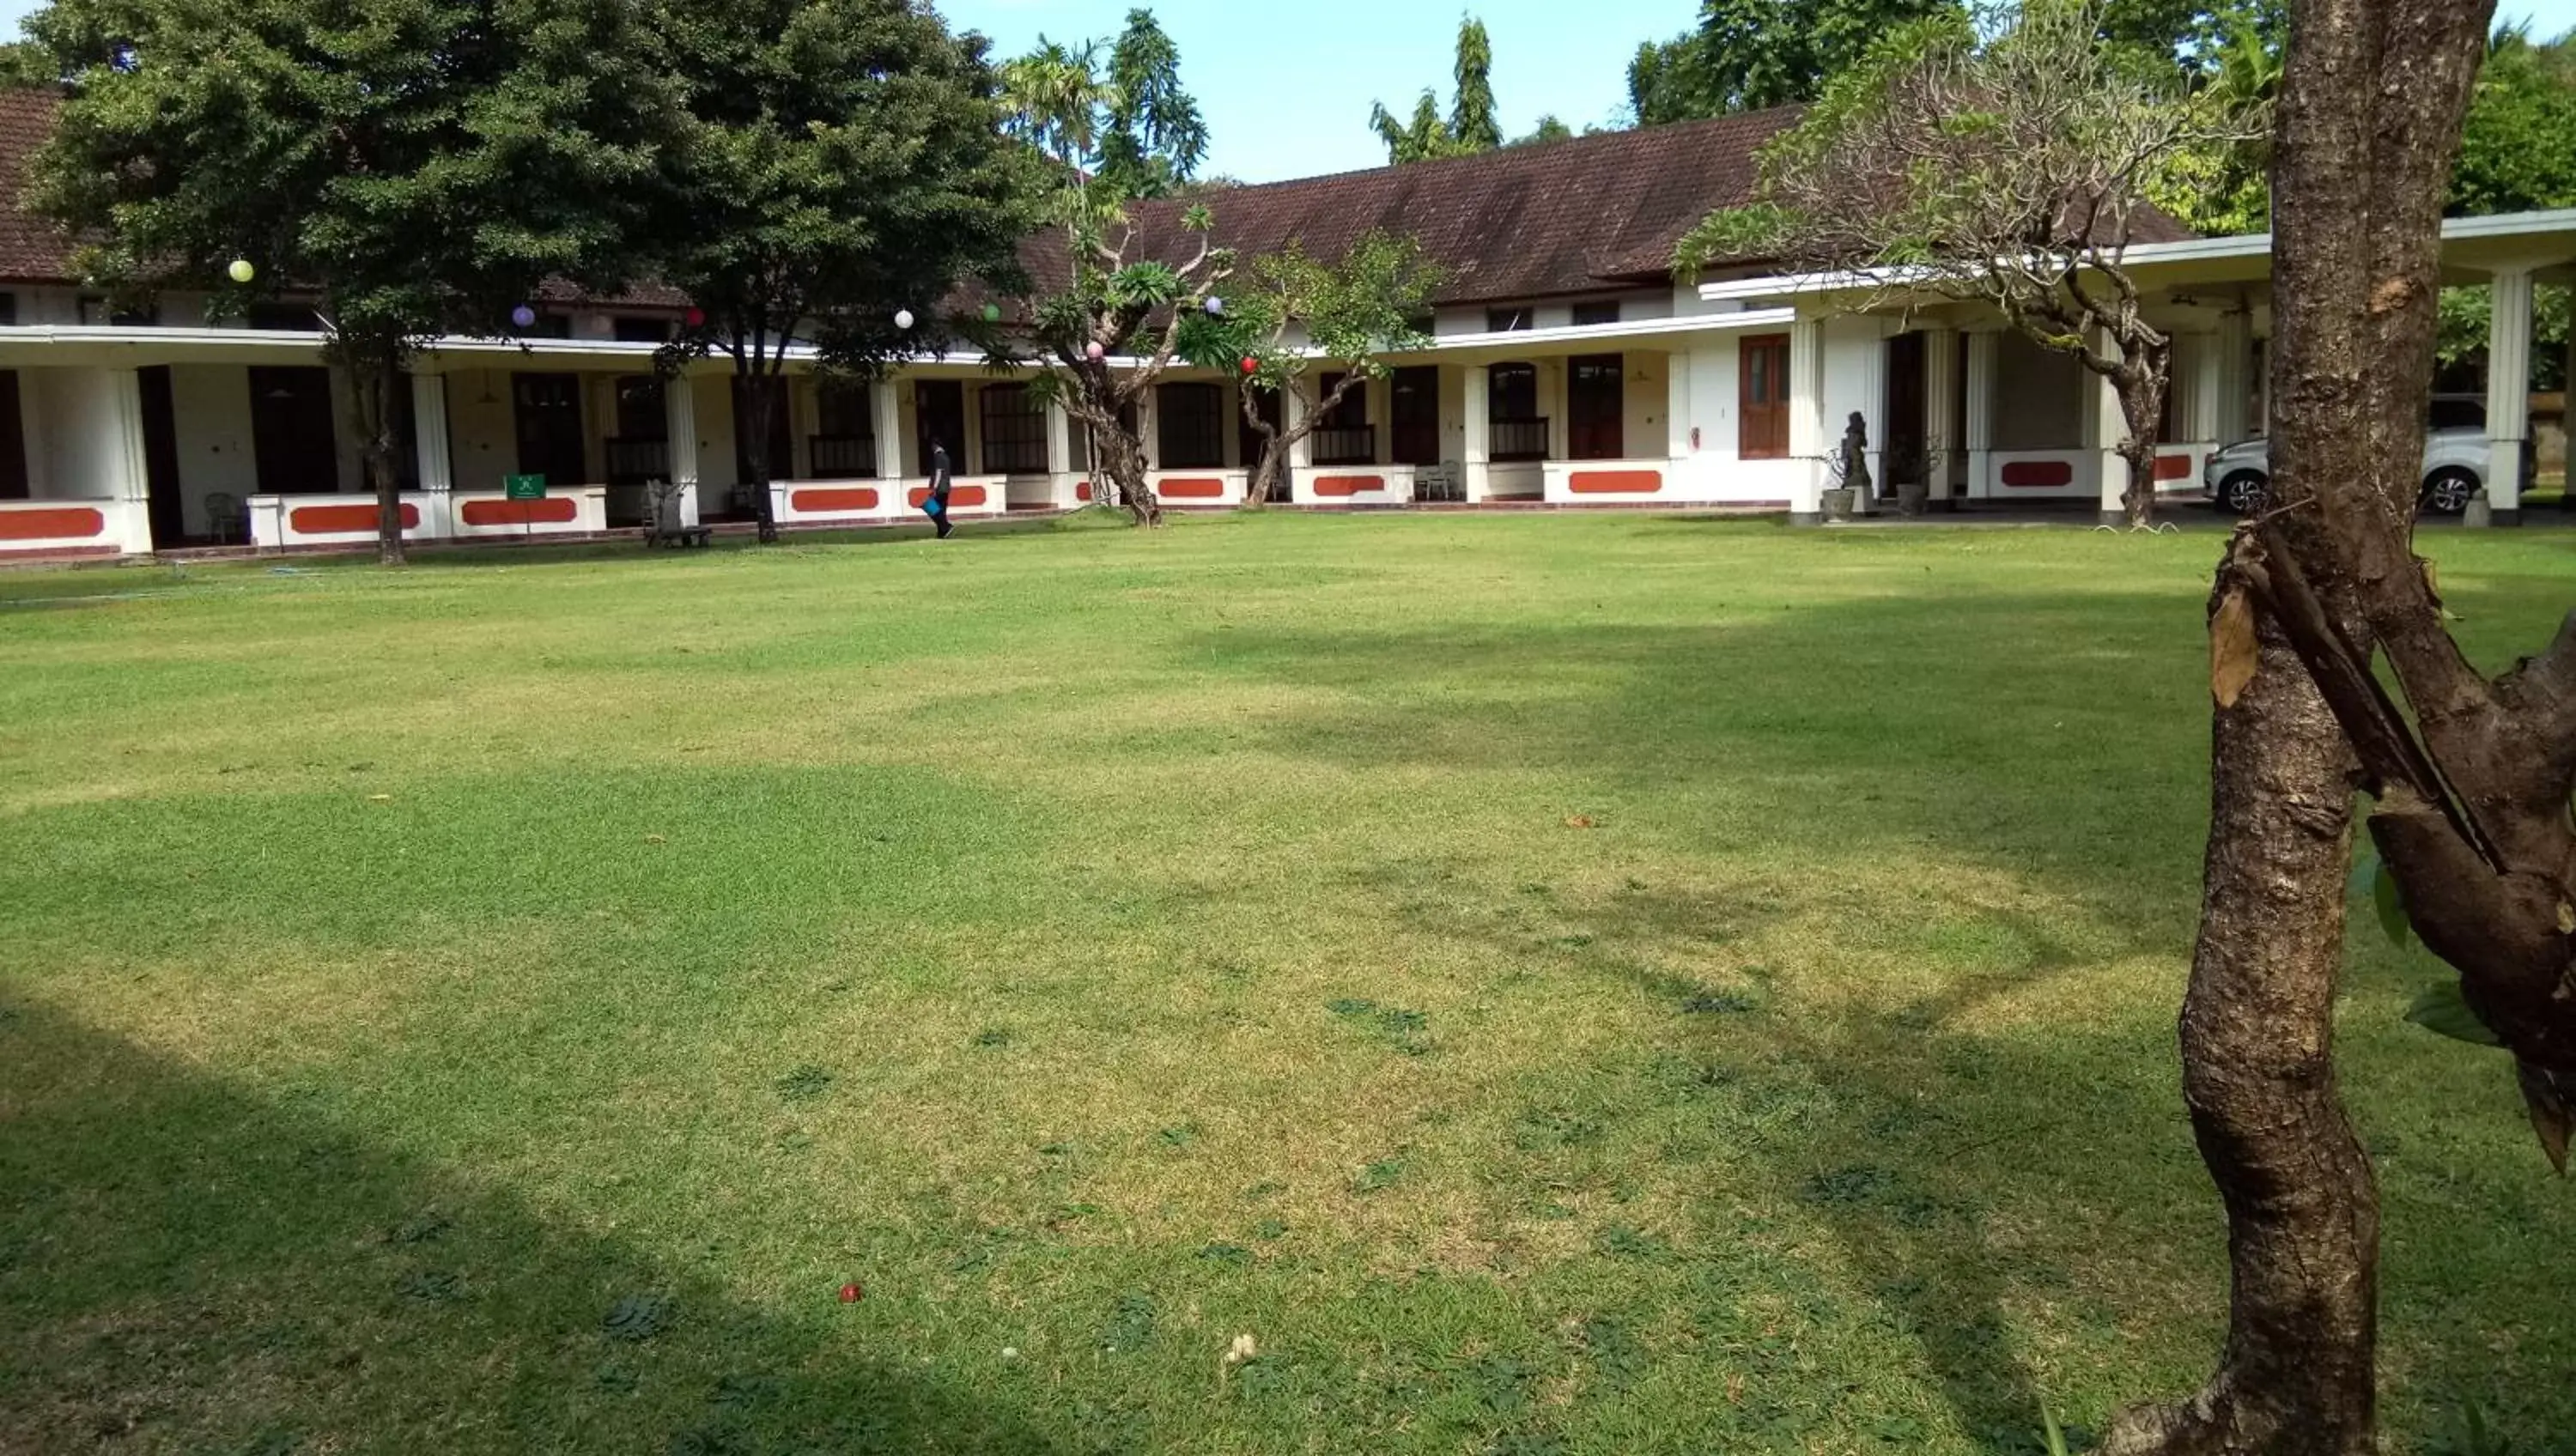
(992, 313)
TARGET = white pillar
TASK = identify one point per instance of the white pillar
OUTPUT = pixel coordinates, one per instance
(1873, 409)
(1148, 433)
(967, 455)
(1677, 405)
(1940, 408)
(1476, 446)
(885, 404)
(1985, 368)
(430, 450)
(2231, 383)
(125, 470)
(2508, 389)
(680, 441)
(1806, 420)
(1292, 413)
(1059, 460)
(1560, 428)
(2105, 426)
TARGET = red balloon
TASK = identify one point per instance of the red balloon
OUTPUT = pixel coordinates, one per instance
(1251, 365)
(849, 1294)
(696, 317)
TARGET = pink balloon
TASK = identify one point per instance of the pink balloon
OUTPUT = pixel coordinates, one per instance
(1097, 352)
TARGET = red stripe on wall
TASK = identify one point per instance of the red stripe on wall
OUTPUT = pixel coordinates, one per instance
(49, 525)
(1615, 482)
(323, 520)
(2038, 474)
(1194, 487)
(959, 496)
(553, 508)
(1339, 486)
(844, 498)
(2173, 467)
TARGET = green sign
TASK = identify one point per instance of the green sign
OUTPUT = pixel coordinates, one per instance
(525, 487)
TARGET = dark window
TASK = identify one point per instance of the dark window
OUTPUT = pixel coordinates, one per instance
(1189, 426)
(13, 440)
(1511, 408)
(1762, 396)
(1342, 434)
(844, 446)
(1590, 315)
(1506, 320)
(552, 326)
(1015, 430)
(2453, 413)
(939, 417)
(633, 330)
(1414, 414)
(290, 318)
(8, 310)
(96, 309)
(1595, 407)
(640, 451)
(291, 432)
(1423, 324)
(546, 409)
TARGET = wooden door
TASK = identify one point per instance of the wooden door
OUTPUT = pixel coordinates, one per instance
(293, 438)
(1414, 413)
(1908, 443)
(1762, 398)
(168, 513)
(1596, 407)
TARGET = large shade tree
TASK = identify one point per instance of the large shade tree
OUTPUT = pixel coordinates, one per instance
(2334, 670)
(1748, 54)
(843, 163)
(1120, 284)
(2003, 161)
(1471, 126)
(421, 166)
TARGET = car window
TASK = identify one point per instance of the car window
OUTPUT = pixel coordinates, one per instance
(2459, 414)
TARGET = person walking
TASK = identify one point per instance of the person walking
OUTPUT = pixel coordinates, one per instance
(935, 504)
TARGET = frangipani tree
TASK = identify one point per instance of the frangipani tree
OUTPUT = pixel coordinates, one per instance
(1294, 317)
(2003, 158)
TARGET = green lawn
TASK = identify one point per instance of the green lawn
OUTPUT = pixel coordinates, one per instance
(1583, 984)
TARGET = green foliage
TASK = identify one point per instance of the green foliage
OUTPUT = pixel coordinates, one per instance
(1549, 129)
(2441, 1008)
(425, 164)
(1471, 125)
(839, 162)
(1152, 137)
(1750, 54)
(2517, 154)
(27, 63)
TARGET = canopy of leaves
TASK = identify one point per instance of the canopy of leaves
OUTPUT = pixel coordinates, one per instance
(2518, 155)
(1471, 125)
(1749, 54)
(426, 164)
(1152, 138)
(1289, 311)
(840, 160)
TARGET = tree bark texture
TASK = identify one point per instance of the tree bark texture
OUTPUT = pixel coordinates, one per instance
(375, 372)
(761, 393)
(2259, 1077)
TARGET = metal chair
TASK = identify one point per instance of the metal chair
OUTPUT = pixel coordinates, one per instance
(226, 518)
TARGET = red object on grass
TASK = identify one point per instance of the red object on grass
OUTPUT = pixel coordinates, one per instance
(850, 1294)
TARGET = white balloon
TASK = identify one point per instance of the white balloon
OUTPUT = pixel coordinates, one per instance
(903, 318)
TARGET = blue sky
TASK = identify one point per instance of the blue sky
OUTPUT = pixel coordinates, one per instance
(1287, 90)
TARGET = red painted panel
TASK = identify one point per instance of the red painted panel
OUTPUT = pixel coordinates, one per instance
(46, 525)
(1616, 482)
(320, 520)
(551, 509)
(840, 498)
(1333, 487)
(2038, 474)
(2173, 467)
(1194, 487)
(960, 497)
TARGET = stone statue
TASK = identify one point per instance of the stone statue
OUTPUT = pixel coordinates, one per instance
(1854, 453)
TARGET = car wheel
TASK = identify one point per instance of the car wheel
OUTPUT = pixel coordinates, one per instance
(2447, 492)
(2244, 492)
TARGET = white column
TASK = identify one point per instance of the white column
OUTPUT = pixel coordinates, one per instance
(1292, 413)
(1476, 446)
(1873, 410)
(1677, 405)
(1230, 425)
(885, 404)
(2508, 389)
(1560, 429)
(680, 437)
(2231, 383)
(125, 467)
(968, 454)
(1148, 406)
(1940, 408)
(1985, 368)
(1059, 455)
(430, 450)
(2105, 426)
(1806, 420)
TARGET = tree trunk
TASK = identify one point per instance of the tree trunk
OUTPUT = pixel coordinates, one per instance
(760, 396)
(2142, 409)
(2258, 1074)
(1117, 453)
(375, 371)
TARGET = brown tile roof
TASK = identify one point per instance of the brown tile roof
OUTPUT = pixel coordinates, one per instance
(1534, 221)
(31, 249)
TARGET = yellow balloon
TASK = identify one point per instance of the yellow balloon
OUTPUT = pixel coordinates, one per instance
(242, 271)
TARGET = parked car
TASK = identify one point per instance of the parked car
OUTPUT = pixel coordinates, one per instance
(2239, 478)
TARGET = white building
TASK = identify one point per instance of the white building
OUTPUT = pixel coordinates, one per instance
(1568, 367)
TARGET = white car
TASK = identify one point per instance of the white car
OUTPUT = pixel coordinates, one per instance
(2239, 478)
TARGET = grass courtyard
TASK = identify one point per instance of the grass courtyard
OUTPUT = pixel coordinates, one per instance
(1600, 984)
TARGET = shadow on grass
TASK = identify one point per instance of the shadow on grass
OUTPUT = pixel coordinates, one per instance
(186, 1266)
